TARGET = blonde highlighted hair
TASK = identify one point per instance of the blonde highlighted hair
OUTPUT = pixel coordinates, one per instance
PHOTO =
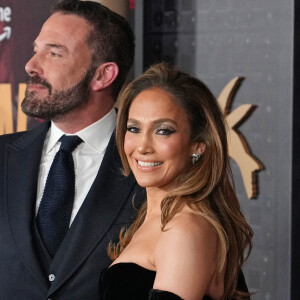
(205, 186)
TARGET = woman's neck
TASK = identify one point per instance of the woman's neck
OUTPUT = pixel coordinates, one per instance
(154, 199)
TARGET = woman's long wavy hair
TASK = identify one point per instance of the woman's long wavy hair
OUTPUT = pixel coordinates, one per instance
(206, 186)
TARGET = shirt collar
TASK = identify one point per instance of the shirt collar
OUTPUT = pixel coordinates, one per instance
(96, 136)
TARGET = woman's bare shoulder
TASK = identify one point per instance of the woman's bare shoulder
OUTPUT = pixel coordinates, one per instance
(186, 255)
(189, 224)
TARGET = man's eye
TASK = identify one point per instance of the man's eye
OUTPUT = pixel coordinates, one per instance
(133, 129)
(55, 54)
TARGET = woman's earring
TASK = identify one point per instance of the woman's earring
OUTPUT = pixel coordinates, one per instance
(195, 157)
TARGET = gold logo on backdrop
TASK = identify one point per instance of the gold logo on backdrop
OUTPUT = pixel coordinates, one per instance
(6, 109)
(237, 145)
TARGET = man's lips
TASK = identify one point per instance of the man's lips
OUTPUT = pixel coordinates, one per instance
(36, 87)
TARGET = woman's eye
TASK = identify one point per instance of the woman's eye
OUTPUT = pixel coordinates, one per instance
(133, 129)
(165, 131)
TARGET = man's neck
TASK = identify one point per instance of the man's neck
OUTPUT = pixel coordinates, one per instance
(83, 116)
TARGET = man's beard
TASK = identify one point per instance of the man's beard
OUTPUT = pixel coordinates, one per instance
(59, 103)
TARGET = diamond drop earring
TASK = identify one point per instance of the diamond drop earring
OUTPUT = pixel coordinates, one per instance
(195, 157)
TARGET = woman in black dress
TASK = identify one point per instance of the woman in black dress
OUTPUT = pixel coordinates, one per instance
(190, 238)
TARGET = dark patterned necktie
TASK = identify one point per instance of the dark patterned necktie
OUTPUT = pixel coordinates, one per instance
(55, 209)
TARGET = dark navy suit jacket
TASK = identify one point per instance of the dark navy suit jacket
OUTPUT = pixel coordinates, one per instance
(24, 264)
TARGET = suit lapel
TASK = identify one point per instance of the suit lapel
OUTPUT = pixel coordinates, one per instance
(22, 161)
(101, 207)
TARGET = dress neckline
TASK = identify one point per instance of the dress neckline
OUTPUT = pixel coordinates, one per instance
(135, 268)
(130, 264)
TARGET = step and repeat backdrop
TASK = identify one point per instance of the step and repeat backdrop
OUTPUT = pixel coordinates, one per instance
(20, 23)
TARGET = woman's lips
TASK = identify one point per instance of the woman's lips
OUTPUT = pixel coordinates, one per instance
(148, 164)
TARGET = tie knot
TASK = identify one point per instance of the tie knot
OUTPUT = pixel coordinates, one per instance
(69, 143)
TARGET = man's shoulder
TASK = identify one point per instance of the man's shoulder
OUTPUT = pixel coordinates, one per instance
(8, 139)
(24, 135)
(11, 137)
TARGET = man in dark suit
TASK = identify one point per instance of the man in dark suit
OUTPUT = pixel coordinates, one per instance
(80, 62)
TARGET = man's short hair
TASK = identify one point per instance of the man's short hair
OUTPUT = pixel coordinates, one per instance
(111, 37)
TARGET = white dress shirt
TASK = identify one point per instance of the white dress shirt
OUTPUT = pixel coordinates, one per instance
(87, 157)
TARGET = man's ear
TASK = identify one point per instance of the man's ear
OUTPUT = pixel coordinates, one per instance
(104, 76)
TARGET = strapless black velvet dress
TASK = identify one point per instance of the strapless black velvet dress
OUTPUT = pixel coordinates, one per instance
(129, 281)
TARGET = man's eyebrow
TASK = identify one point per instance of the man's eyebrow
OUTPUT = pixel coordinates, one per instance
(57, 46)
(53, 45)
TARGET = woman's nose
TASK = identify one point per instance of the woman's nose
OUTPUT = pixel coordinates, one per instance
(145, 144)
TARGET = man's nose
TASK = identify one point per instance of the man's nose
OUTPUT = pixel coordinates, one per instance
(33, 66)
